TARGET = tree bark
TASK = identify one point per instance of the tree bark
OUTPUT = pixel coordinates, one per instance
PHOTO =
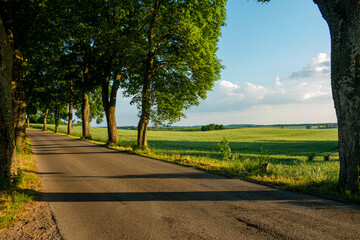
(57, 117)
(110, 104)
(7, 137)
(19, 101)
(45, 119)
(85, 110)
(343, 18)
(28, 121)
(143, 122)
(18, 91)
(145, 108)
(71, 106)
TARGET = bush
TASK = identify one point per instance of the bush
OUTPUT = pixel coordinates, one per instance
(225, 150)
(326, 157)
(311, 157)
(212, 127)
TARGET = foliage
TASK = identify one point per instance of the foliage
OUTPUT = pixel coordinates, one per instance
(225, 150)
(311, 157)
(177, 60)
(211, 127)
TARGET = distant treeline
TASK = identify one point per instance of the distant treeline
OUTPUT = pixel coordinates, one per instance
(322, 126)
(211, 127)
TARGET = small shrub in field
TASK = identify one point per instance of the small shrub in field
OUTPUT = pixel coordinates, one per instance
(235, 157)
(311, 157)
(225, 150)
(326, 157)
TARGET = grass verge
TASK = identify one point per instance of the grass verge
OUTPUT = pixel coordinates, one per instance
(304, 177)
(22, 190)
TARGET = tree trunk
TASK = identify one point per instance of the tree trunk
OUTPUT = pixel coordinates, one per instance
(57, 117)
(146, 91)
(110, 104)
(71, 106)
(343, 18)
(19, 101)
(18, 91)
(45, 118)
(145, 112)
(86, 115)
(7, 137)
(28, 121)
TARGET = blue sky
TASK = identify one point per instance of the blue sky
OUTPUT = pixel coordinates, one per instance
(277, 59)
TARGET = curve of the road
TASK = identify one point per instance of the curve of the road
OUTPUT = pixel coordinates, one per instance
(99, 193)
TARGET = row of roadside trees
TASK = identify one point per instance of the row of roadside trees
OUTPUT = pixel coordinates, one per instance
(73, 56)
(79, 53)
(162, 53)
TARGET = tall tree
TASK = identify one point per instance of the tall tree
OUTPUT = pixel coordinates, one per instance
(343, 18)
(178, 62)
(15, 32)
(28, 27)
(7, 146)
(80, 20)
(116, 40)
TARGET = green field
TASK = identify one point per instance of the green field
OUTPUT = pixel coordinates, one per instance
(286, 150)
(292, 144)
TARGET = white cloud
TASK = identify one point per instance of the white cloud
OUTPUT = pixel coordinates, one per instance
(278, 82)
(256, 91)
(308, 88)
(319, 67)
(228, 85)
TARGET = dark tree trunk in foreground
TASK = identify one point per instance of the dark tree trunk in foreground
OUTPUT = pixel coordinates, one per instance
(19, 101)
(18, 91)
(45, 118)
(343, 18)
(86, 115)
(110, 104)
(7, 139)
(71, 106)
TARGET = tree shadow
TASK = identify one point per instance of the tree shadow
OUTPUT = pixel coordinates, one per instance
(272, 195)
(191, 175)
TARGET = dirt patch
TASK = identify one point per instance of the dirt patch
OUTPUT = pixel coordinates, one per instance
(35, 222)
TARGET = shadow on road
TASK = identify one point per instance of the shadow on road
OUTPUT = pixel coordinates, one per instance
(181, 196)
(194, 175)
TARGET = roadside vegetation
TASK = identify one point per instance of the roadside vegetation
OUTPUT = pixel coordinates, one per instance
(21, 189)
(304, 160)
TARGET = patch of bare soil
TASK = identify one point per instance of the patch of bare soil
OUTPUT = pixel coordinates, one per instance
(35, 222)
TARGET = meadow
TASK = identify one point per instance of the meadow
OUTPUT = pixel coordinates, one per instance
(301, 159)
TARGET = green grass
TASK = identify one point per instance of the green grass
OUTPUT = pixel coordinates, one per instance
(14, 196)
(286, 150)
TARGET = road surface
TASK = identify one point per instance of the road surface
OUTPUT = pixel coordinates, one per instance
(99, 193)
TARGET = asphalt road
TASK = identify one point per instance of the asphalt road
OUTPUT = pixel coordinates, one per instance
(98, 193)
